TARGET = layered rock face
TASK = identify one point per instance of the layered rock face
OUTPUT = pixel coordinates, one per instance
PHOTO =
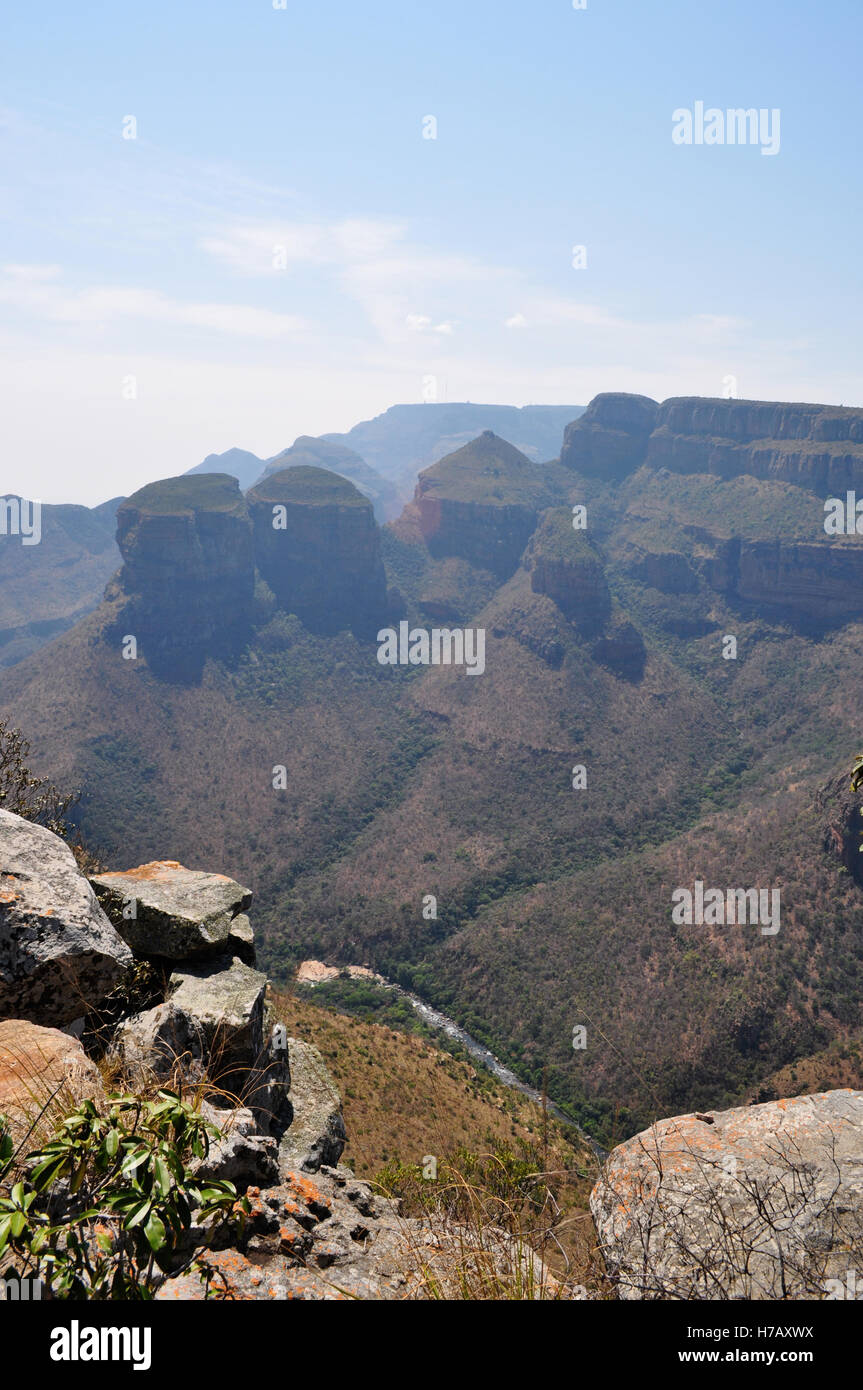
(757, 1203)
(481, 504)
(188, 571)
(610, 439)
(318, 547)
(813, 446)
(819, 447)
(564, 565)
(59, 954)
(821, 582)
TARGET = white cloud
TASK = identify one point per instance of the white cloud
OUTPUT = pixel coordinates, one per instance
(32, 272)
(103, 305)
(516, 321)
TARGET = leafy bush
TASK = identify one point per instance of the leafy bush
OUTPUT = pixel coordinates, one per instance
(104, 1207)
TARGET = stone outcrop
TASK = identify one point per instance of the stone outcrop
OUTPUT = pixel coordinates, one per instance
(242, 1154)
(610, 439)
(43, 1073)
(564, 565)
(59, 954)
(163, 909)
(318, 547)
(316, 1134)
(481, 504)
(330, 1238)
(758, 1203)
(188, 572)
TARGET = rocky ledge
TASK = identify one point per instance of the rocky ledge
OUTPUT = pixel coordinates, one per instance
(155, 986)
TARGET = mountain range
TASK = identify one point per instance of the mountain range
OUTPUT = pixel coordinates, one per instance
(669, 697)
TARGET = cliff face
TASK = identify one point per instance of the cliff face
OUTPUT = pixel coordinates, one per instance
(188, 571)
(823, 582)
(819, 447)
(610, 438)
(481, 503)
(318, 547)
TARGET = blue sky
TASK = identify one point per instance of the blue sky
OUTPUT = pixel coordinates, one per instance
(405, 258)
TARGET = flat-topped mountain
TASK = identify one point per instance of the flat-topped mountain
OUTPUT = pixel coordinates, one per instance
(819, 447)
(318, 547)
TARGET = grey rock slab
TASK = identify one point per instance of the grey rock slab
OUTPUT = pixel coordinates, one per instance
(59, 954)
(316, 1134)
(241, 1154)
(213, 1025)
(164, 909)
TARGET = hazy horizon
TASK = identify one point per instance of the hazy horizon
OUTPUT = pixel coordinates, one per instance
(209, 243)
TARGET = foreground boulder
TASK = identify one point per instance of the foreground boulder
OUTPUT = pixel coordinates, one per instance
(163, 909)
(59, 954)
(43, 1074)
(764, 1202)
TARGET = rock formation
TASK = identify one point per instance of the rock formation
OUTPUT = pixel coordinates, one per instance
(43, 1073)
(819, 447)
(757, 1203)
(814, 446)
(162, 909)
(821, 581)
(318, 547)
(564, 565)
(188, 572)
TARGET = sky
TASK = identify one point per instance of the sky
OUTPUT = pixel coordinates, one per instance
(223, 222)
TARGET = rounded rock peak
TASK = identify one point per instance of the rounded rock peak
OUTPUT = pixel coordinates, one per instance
(307, 484)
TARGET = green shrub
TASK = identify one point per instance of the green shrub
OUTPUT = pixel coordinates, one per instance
(103, 1208)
